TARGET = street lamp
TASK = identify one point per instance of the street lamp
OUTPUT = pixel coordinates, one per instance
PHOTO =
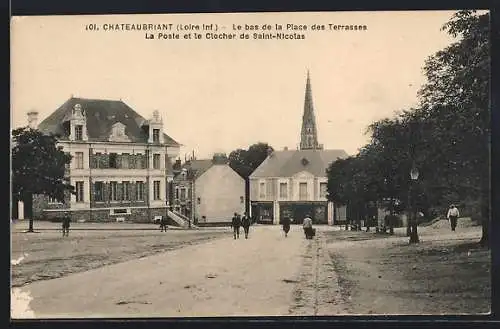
(414, 223)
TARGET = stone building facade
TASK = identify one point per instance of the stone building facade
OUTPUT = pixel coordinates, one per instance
(121, 162)
(209, 191)
(293, 183)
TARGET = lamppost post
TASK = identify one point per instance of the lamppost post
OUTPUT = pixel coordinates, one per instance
(414, 223)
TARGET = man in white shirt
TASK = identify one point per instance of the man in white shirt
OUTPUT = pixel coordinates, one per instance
(452, 216)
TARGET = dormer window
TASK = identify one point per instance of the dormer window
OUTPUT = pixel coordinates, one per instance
(156, 135)
(118, 133)
(78, 132)
(305, 162)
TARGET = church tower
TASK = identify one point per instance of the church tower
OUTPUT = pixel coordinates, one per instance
(309, 133)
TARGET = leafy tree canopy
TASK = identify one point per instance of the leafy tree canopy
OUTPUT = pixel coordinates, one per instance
(38, 165)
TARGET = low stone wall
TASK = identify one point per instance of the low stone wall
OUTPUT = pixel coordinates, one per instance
(141, 215)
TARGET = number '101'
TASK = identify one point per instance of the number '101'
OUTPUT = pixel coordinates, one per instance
(91, 27)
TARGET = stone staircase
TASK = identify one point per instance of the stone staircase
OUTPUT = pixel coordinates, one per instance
(180, 219)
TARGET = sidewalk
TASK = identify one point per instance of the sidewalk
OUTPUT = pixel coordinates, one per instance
(22, 226)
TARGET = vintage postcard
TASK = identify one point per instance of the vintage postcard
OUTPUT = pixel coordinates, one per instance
(250, 164)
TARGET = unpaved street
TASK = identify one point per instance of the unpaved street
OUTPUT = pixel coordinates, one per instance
(339, 272)
(221, 277)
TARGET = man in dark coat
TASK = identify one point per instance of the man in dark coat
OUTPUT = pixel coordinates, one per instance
(245, 222)
(65, 223)
(163, 224)
(236, 223)
(286, 225)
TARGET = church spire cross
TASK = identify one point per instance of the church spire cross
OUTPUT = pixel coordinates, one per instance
(309, 133)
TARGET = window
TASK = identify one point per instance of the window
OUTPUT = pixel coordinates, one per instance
(139, 161)
(156, 190)
(303, 191)
(199, 200)
(262, 190)
(323, 190)
(176, 193)
(242, 199)
(78, 132)
(79, 160)
(97, 160)
(283, 190)
(112, 160)
(125, 161)
(156, 161)
(79, 191)
(145, 162)
(112, 191)
(156, 135)
(99, 191)
(183, 194)
(139, 190)
(125, 190)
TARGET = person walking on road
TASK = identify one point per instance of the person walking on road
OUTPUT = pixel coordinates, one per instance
(286, 225)
(163, 224)
(308, 229)
(65, 224)
(236, 223)
(245, 222)
(452, 216)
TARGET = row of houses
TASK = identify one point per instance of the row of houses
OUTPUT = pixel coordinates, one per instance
(126, 167)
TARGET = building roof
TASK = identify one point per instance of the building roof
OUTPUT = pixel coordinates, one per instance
(101, 115)
(290, 162)
(195, 168)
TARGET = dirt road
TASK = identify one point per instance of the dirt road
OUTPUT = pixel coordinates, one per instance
(224, 277)
(337, 273)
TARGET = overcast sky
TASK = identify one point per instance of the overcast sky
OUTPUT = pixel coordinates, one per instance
(219, 95)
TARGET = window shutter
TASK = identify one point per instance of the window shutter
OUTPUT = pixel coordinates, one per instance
(132, 191)
(118, 161)
(106, 191)
(93, 161)
(119, 191)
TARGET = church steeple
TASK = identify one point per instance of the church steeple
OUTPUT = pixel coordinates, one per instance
(309, 132)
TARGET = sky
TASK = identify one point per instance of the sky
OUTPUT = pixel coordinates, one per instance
(220, 95)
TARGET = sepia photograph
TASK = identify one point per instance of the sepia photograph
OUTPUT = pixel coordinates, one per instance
(250, 164)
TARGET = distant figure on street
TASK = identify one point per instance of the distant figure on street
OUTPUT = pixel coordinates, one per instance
(286, 225)
(163, 224)
(236, 223)
(65, 224)
(452, 216)
(308, 229)
(245, 222)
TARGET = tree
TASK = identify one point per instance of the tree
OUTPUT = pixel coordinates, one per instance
(457, 93)
(38, 167)
(244, 162)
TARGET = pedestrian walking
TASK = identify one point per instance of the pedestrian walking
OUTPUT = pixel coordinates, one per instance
(452, 216)
(245, 222)
(236, 223)
(308, 229)
(286, 225)
(163, 224)
(65, 224)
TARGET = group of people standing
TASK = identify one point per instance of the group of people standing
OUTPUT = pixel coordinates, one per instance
(240, 221)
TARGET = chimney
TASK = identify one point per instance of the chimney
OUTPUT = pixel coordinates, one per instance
(285, 148)
(269, 151)
(33, 119)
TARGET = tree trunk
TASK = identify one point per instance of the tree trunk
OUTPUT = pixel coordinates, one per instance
(14, 208)
(485, 218)
(28, 209)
